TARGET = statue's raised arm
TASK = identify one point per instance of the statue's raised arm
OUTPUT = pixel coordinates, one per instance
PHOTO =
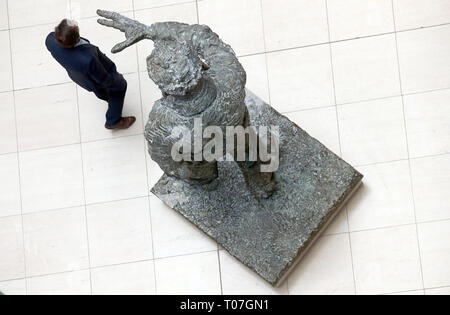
(134, 31)
(186, 49)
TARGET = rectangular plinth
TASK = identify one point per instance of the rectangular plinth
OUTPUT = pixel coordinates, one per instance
(270, 235)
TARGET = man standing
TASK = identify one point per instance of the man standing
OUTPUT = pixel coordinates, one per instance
(88, 67)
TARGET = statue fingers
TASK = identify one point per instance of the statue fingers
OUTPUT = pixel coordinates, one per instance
(114, 24)
(121, 46)
(107, 14)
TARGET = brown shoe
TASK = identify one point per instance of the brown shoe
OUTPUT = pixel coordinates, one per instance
(124, 123)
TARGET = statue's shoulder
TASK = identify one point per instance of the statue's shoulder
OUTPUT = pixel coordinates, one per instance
(162, 113)
(201, 28)
(158, 107)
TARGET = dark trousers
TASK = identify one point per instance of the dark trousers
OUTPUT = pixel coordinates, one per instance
(115, 98)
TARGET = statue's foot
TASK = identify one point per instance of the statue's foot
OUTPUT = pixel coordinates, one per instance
(262, 185)
(265, 187)
(207, 184)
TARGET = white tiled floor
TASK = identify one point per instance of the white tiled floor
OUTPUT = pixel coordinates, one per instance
(76, 215)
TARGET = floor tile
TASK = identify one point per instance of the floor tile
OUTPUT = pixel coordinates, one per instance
(256, 69)
(119, 232)
(294, 23)
(300, 78)
(183, 13)
(173, 234)
(106, 38)
(228, 18)
(372, 131)
(415, 292)
(186, 275)
(47, 117)
(237, 279)
(438, 291)
(154, 172)
(150, 94)
(93, 111)
(145, 4)
(416, 13)
(51, 178)
(4, 15)
(29, 12)
(367, 18)
(384, 199)
(365, 69)
(339, 224)
(29, 55)
(10, 203)
(13, 287)
(386, 260)
(71, 283)
(326, 269)
(8, 138)
(298, 82)
(128, 279)
(435, 251)
(431, 184)
(88, 8)
(12, 264)
(55, 241)
(321, 124)
(6, 80)
(115, 169)
(423, 54)
(428, 123)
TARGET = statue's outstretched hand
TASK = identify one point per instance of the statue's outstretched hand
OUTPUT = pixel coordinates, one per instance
(134, 31)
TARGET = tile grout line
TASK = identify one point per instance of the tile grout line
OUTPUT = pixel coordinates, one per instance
(164, 6)
(146, 164)
(83, 179)
(196, 8)
(109, 265)
(140, 261)
(217, 245)
(151, 235)
(17, 155)
(141, 134)
(285, 112)
(269, 91)
(266, 60)
(398, 292)
(95, 16)
(265, 50)
(220, 270)
(340, 145)
(142, 197)
(84, 192)
(345, 40)
(78, 206)
(76, 143)
(259, 53)
(407, 145)
(404, 159)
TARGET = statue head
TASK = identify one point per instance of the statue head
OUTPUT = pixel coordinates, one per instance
(175, 67)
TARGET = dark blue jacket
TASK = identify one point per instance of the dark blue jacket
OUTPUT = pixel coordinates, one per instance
(86, 65)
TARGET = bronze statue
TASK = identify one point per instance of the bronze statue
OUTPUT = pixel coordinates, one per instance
(200, 78)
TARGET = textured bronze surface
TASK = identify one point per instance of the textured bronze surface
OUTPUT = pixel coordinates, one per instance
(268, 235)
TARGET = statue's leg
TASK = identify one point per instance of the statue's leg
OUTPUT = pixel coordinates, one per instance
(195, 172)
(261, 184)
(202, 172)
